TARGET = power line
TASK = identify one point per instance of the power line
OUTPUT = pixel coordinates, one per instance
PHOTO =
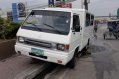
(46, 5)
(29, 8)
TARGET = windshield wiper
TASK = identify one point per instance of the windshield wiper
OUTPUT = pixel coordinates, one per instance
(53, 28)
(34, 25)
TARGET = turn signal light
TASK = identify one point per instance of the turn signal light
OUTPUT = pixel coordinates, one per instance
(59, 61)
(66, 47)
(62, 47)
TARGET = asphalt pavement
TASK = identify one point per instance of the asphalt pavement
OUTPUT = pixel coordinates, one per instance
(103, 63)
(19, 67)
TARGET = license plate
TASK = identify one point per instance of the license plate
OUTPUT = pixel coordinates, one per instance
(37, 51)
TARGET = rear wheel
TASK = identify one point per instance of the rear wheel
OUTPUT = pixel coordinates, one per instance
(87, 46)
(118, 35)
(86, 49)
(104, 36)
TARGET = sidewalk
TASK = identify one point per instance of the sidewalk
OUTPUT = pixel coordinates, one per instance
(7, 48)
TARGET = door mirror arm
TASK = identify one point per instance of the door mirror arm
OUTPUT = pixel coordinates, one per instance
(80, 28)
(77, 28)
(73, 30)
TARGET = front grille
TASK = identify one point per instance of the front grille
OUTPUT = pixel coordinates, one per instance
(38, 43)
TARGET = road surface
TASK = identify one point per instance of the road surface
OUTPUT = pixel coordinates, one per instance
(102, 64)
(18, 67)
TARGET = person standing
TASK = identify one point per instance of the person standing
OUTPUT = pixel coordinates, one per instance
(95, 27)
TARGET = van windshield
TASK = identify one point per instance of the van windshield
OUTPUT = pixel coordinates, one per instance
(48, 21)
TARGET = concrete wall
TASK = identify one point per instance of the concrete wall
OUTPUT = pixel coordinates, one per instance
(7, 48)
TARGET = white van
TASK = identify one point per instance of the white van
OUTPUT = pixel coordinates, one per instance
(55, 34)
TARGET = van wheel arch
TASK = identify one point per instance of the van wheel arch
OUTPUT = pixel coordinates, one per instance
(88, 41)
(87, 47)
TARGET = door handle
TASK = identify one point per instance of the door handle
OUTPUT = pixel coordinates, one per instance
(80, 28)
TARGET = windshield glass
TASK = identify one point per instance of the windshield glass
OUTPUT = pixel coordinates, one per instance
(48, 21)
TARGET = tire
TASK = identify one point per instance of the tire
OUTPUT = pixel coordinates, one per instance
(88, 48)
(118, 36)
(88, 44)
(34, 60)
(104, 36)
(72, 63)
(85, 49)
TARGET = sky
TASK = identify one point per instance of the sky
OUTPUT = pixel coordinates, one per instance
(97, 7)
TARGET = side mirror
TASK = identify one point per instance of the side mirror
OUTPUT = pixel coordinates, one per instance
(77, 28)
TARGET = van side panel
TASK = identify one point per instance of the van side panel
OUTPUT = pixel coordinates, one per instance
(76, 37)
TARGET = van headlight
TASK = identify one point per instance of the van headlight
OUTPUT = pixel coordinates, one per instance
(62, 47)
(21, 39)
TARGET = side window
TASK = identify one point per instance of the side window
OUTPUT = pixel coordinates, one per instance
(87, 20)
(76, 23)
(92, 20)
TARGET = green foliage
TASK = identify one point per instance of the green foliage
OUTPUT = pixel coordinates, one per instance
(8, 29)
(1, 21)
(11, 30)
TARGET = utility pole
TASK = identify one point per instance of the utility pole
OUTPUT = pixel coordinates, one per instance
(84, 4)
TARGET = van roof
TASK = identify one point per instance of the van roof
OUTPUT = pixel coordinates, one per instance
(62, 9)
(66, 10)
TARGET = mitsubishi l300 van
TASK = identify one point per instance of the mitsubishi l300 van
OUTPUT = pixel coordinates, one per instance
(55, 34)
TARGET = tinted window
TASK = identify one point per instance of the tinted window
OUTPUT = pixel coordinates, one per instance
(92, 19)
(76, 20)
(87, 20)
(76, 23)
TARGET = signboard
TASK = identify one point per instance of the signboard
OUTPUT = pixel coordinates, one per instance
(18, 10)
(21, 9)
(14, 12)
(66, 5)
(51, 3)
(59, 2)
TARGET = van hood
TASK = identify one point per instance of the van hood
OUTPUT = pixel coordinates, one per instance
(63, 39)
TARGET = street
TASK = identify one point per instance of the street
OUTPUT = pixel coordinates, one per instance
(59, 39)
(103, 63)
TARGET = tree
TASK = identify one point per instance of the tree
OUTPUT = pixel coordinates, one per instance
(118, 13)
(2, 28)
(8, 29)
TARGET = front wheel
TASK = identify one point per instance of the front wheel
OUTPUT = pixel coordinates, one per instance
(72, 62)
(87, 48)
(34, 60)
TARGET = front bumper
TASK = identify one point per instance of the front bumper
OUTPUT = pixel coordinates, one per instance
(52, 55)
